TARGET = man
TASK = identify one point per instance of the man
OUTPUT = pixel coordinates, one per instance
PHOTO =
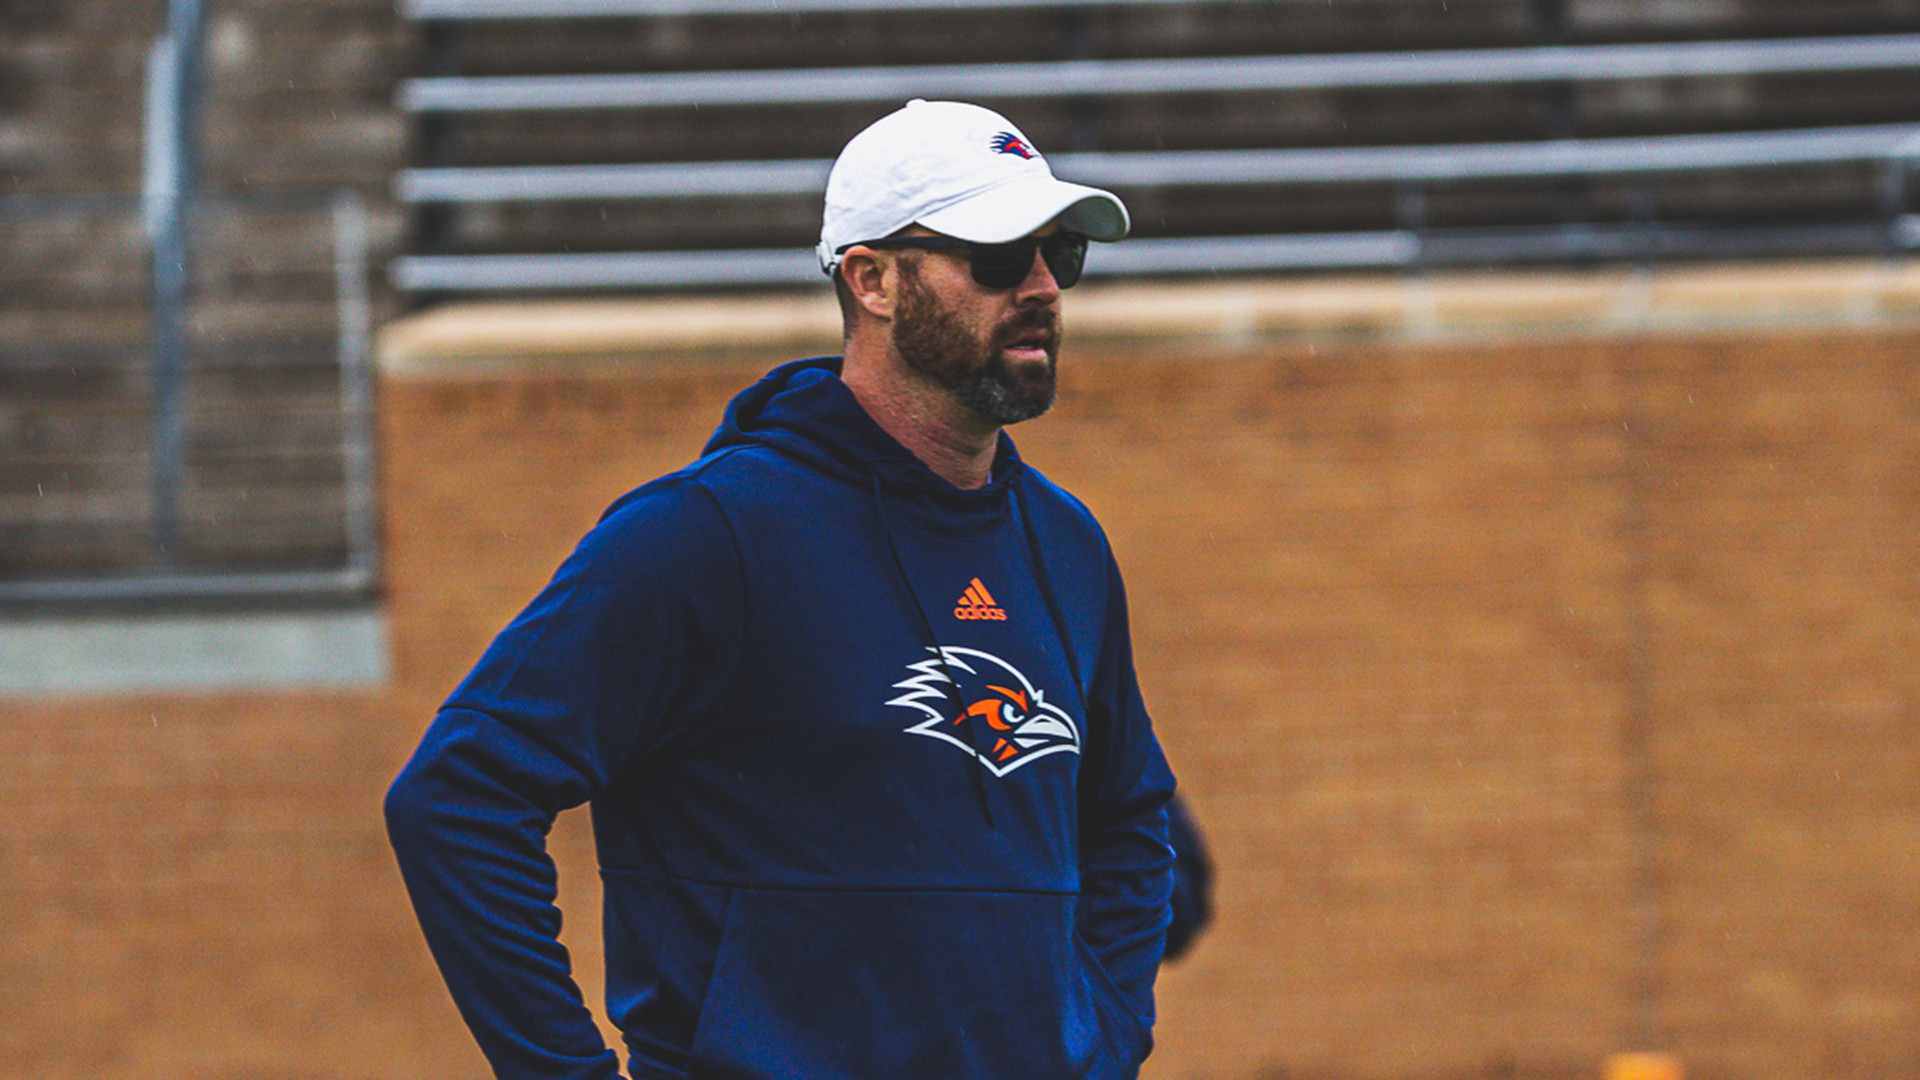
(851, 697)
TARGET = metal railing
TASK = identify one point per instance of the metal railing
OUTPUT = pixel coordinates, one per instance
(87, 546)
(1892, 149)
(463, 10)
(1099, 78)
(179, 558)
(1202, 168)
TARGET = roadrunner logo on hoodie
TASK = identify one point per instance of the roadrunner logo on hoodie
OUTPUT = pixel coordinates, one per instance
(959, 689)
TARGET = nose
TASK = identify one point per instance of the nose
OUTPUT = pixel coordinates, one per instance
(1039, 286)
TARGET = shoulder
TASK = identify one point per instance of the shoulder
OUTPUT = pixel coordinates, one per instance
(735, 477)
(699, 489)
(705, 504)
(671, 520)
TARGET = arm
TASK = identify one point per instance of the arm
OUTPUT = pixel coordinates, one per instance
(632, 640)
(1126, 867)
(468, 819)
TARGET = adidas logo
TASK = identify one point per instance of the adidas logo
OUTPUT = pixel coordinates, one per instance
(978, 603)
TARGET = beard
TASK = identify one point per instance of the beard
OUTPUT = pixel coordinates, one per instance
(933, 340)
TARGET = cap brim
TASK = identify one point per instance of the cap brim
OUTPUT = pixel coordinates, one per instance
(1011, 210)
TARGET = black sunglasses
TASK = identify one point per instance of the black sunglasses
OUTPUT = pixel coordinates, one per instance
(1004, 266)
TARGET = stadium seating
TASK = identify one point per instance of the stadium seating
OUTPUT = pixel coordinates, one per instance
(246, 474)
(624, 146)
(579, 144)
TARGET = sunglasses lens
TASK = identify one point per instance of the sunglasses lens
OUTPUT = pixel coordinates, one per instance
(1066, 255)
(1002, 266)
(1005, 266)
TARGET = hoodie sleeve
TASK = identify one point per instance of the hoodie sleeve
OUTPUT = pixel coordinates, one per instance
(1126, 866)
(633, 640)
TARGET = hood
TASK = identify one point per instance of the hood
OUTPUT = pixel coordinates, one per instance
(803, 410)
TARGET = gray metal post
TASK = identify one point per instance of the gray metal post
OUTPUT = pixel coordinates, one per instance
(173, 105)
(358, 468)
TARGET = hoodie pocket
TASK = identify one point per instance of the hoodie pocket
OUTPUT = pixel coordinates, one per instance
(1126, 1041)
(913, 985)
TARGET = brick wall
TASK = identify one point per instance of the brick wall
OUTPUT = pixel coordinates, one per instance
(1538, 701)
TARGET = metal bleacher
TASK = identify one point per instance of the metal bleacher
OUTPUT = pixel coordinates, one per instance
(1805, 146)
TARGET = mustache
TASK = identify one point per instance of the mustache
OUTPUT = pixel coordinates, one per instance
(1025, 322)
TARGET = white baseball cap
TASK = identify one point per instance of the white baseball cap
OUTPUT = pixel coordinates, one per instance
(957, 169)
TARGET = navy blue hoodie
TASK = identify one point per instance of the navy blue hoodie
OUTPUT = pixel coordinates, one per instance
(873, 789)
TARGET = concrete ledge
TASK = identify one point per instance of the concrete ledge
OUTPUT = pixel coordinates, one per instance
(198, 652)
(522, 333)
(483, 337)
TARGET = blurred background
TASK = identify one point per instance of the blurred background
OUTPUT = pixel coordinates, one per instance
(1506, 415)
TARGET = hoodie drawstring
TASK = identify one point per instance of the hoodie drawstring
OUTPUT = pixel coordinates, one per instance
(933, 646)
(1053, 603)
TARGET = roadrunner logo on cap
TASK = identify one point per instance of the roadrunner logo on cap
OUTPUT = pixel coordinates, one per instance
(956, 687)
(1008, 143)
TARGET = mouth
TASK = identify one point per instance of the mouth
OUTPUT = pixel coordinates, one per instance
(1027, 349)
(1029, 344)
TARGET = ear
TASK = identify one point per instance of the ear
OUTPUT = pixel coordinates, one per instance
(872, 279)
